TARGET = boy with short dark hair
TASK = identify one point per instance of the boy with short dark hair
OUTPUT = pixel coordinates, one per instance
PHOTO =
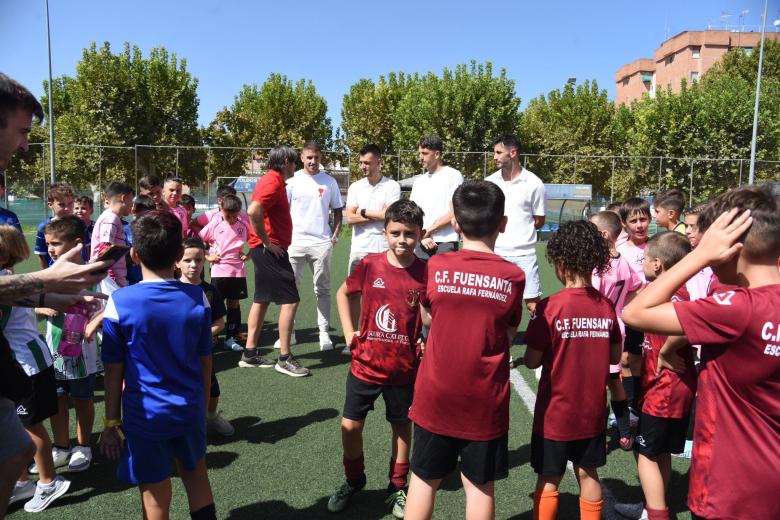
(574, 336)
(226, 237)
(734, 465)
(83, 207)
(157, 340)
(141, 204)
(188, 202)
(618, 284)
(461, 401)
(635, 215)
(109, 230)
(204, 218)
(668, 209)
(384, 291)
(152, 186)
(171, 199)
(60, 203)
(191, 267)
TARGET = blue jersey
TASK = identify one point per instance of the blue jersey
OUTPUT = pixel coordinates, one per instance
(134, 274)
(42, 247)
(9, 218)
(159, 329)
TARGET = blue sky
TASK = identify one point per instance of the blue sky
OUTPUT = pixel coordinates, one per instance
(230, 43)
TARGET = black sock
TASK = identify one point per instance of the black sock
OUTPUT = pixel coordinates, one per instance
(283, 357)
(632, 386)
(620, 409)
(359, 483)
(208, 512)
(233, 323)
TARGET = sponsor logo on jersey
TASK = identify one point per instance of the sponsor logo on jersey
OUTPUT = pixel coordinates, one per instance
(385, 319)
(379, 283)
(724, 298)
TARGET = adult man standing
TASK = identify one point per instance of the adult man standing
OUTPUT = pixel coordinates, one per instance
(525, 210)
(367, 200)
(269, 238)
(312, 195)
(432, 191)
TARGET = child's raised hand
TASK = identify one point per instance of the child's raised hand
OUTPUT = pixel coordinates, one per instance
(214, 259)
(670, 361)
(720, 242)
(43, 311)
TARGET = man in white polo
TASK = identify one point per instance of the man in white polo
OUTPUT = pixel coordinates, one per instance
(432, 191)
(367, 200)
(525, 210)
(313, 194)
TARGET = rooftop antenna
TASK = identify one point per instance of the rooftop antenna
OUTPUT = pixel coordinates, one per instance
(724, 16)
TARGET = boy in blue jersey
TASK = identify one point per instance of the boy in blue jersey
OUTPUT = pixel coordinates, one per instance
(157, 339)
(60, 202)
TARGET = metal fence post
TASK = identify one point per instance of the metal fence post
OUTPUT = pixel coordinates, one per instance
(612, 189)
(574, 181)
(484, 168)
(177, 161)
(690, 190)
(740, 173)
(100, 168)
(660, 169)
(135, 163)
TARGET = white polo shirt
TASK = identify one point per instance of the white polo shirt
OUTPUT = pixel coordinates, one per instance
(311, 198)
(369, 237)
(433, 193)
(524, 200)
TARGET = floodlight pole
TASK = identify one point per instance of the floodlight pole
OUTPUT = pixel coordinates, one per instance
(752, 172)
(51, 111)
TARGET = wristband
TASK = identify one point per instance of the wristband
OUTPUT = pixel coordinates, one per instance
(363, 213)
(111, 423)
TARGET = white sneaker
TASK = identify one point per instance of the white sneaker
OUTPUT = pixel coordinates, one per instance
(23, 489)
(325, 342)
(81, 458)
(221, 425)
(346, 351)
(59, 456)
(45, 494)
(293, 341)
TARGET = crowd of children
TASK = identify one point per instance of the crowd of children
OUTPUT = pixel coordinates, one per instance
(632, 314)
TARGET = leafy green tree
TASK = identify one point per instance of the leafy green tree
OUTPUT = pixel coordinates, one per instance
(466, 107)
(280, 111)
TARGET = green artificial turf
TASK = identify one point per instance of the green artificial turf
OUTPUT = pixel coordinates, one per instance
(285, 458)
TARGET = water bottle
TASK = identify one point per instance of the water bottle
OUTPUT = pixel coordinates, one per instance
(73, 328)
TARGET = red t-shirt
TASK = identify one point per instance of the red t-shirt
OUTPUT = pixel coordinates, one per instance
(734, 470)
(574, 328)
(667, 394)
(270, 191)
(462, 387)
(385, 352)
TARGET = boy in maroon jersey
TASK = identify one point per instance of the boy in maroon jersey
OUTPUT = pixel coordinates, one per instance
(735, 456)
(667, 396)
(473, 302)
(384, 358)
(574, 336)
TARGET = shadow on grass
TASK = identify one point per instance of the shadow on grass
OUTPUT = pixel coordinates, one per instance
(368, 505)
(249, 429)
(619, 491)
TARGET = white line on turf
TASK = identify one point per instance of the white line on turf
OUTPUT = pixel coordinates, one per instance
(528, 396)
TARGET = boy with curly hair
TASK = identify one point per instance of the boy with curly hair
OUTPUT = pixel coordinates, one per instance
(574, 336)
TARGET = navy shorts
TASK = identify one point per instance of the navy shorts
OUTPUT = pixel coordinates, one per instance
(82, 389)
(146, 461)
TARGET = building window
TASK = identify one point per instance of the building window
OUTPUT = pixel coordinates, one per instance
(669, 59)
(625, 82)
(696, 52)
(747, 50)
(694, 76)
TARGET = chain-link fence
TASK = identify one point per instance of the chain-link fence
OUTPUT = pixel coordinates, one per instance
(89, 167)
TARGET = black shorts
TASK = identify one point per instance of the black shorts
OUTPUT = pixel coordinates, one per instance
(230, 288)
(274, 278)
(657, 435)
(42, 403)
(435, 456)
(549, 457)
(634, 341)
(361, 396)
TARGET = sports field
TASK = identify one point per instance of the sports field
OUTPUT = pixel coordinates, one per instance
(285, 458)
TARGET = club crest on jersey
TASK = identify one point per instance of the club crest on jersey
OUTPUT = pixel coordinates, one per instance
(724, 298)
(379, 283)
(385, 319)
(321, 190)
(412, 297)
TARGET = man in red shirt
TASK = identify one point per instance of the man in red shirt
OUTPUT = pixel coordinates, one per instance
(269, 238)
(735, 458)
(461, 398)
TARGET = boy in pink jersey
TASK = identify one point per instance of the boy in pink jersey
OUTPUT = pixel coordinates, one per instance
(226, 237)
(204, 218)
(171, 198)
(574, 336)
(701, 284)
(618, 283)
(635, 214)
(109, 230)
(735, 457)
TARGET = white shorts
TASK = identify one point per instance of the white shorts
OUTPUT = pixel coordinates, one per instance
(529, 265)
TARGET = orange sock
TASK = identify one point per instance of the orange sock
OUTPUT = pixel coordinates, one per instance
(545, 505)
(590, 510)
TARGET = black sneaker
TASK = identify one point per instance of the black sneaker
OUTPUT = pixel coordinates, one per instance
(627, 510)
(251, 359)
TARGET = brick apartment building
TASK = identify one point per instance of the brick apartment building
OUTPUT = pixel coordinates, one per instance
(687, 56)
